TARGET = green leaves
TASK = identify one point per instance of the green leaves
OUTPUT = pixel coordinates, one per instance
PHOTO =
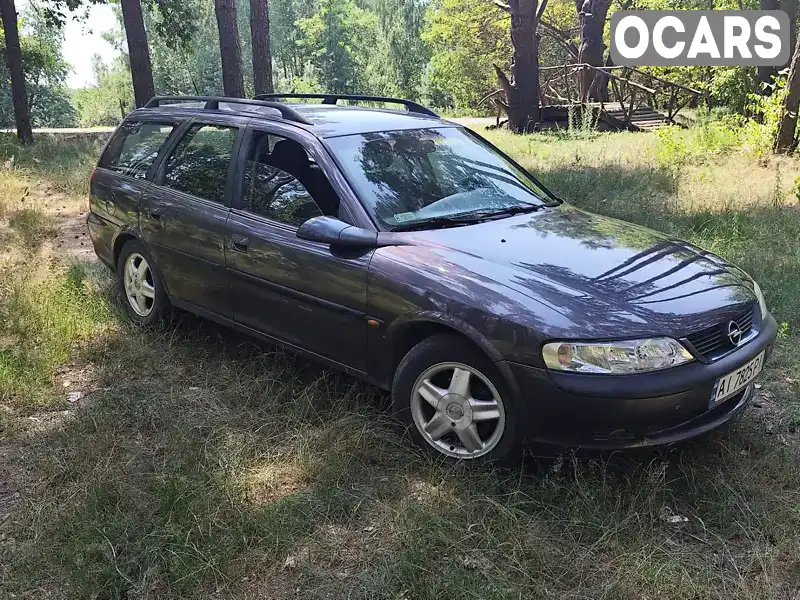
(466, 38)
(339, 38)
(45, 73)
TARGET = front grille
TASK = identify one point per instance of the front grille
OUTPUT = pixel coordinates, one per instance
(714, 342)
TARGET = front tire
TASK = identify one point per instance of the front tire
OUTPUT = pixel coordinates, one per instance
(143, 295)
(455, 402)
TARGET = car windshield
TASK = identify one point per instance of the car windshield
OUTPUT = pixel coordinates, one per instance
(440, 175)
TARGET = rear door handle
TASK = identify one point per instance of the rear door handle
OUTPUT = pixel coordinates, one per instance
(239, 243)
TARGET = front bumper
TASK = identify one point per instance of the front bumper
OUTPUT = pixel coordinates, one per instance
(632, 411)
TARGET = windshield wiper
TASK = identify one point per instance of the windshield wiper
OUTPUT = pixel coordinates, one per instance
(506, 211)
(438, 222)
(467, 218)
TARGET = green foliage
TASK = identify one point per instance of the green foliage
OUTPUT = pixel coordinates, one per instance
(45, 76)
(442, 52)
(175, 22)
(397, 64)
(700, 144)
(339, 38)
(733, 87)
(61, 163)
(192, 67)
(110, 99)
(713, 137)
(466, 38)
(288, 53)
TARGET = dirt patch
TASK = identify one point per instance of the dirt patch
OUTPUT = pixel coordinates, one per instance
(71, 240)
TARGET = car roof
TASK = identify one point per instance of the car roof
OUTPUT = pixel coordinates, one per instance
(332, 121)
(323, 120)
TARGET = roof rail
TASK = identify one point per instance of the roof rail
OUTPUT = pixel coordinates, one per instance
(213, 102)
(412, 106)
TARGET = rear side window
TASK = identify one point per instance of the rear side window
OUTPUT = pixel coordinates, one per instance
(199, 165)
(134, 147)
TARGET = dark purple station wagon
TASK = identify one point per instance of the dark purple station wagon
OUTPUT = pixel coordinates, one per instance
(406, 250)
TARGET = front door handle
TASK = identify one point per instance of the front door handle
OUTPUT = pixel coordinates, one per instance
(239, 243)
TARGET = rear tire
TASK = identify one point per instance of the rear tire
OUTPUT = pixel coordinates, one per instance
(143, 295)
(456, 404)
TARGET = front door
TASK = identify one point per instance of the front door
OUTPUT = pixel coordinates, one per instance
(184, 215)
(303, 293)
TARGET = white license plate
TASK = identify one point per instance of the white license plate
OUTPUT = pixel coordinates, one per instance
(733, 382)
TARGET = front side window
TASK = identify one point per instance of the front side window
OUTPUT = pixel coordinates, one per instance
(279, 179)
(199, 165)
(411, 177)
(134, 147)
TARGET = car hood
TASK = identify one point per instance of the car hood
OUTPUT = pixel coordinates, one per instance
(599, 272)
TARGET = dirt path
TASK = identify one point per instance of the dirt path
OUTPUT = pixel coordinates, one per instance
(63, 240)
(72, 238)
(68, 238)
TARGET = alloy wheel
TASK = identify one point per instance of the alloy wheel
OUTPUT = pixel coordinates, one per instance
(139, 288)
(457, 410)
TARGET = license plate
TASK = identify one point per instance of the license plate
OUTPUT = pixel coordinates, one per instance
(733, 382)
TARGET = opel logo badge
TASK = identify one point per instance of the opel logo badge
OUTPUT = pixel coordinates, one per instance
(455, 412)
(734, 333)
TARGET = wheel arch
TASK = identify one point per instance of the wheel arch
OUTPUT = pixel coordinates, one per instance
(123, 236)
(405, 333)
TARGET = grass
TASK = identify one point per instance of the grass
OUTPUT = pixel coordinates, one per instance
(43, 318)
(55, 164)
(197, 464)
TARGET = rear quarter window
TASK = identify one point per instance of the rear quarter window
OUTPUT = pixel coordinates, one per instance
(135, 146)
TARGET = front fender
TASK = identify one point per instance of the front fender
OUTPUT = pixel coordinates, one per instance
(405, 322)
(438, 322)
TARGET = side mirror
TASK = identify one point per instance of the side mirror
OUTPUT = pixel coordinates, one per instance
(329, 230)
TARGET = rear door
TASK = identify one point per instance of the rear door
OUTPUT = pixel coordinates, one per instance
(121, 177)
(304, 293)
(185, 212)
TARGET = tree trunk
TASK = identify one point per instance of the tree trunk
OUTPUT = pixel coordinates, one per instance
(522, 92)
(230, 52)
(138, 52)
(592, 84)
(784, 141)
(262, 57)
(14, 53)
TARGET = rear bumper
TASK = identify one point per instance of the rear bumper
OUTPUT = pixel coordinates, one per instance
(632, 411)
(101, 233)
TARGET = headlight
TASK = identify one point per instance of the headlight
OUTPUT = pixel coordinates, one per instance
(762, 304)
(629, 356)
